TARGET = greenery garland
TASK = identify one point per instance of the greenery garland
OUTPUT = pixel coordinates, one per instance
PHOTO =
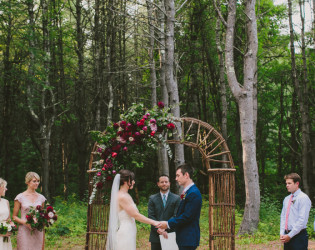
(122, 143)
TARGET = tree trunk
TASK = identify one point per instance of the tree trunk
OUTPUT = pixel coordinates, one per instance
(301, 90)
(245, 96)
(170, 77)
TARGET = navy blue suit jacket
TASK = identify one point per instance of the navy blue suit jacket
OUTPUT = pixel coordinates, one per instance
(186, 222)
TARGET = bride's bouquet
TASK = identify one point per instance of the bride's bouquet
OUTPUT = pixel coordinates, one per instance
(7, 227)
(41, 217)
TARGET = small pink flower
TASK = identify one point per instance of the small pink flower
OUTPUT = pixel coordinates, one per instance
(103, 169)
(125, 149)
(114, 154)
(145, 117)
(145, 128)
(152, 121)
(153, 127)
(152, 133)
(147, 114)
(114, 171)
(99, 174)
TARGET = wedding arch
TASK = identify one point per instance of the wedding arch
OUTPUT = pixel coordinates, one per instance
(218, 163)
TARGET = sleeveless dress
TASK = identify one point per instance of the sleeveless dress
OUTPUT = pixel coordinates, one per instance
(25, 239)
(4, 215)
(127, 232)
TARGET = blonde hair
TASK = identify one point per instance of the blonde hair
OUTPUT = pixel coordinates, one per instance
(3, 183)
(30, 176)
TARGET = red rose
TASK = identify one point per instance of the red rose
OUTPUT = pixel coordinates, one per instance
(115, 125)
(145, 128)
(123, 124)
(55, 217)
(182, 196)
(114, 154)
(49, 209)
(39, 207)
(99, 185)
(170, 126)
(160, 105)
(28, 217)
(152, 133)
(109, 178)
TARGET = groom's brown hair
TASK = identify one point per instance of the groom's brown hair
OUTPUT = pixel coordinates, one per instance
(186, 168)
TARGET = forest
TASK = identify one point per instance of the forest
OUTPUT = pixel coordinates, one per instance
(72, 67)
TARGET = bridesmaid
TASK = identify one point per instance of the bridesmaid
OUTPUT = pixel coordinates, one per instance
(4, 215)
(28, 238)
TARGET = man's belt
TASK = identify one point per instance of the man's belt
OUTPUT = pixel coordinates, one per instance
(288, 231)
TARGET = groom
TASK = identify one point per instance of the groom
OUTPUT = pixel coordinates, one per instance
(186, 222)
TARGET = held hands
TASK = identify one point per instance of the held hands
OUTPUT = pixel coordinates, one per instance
(156, 224)
(163, 225)
(285, 238)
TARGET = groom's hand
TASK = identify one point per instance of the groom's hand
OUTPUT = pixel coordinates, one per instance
(163, 225)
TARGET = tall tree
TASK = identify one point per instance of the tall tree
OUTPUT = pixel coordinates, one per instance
(246, 96)
(170, 78)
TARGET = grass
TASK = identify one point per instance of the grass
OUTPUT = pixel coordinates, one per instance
(69, 230)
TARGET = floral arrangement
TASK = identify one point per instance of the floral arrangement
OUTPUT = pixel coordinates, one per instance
(41, 217)
(123, 142)
(6, 227)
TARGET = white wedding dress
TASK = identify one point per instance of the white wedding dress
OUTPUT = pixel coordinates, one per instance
(127, 232)
(122, 230)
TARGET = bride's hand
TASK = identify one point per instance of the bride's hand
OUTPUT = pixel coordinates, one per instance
(156, 223)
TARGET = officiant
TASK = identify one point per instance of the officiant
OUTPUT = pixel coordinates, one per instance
(162, 206)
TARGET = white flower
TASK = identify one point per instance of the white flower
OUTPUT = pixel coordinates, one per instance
(50, 214)
(51, 221)
(131, 139)
(9, 228)
(141, 132)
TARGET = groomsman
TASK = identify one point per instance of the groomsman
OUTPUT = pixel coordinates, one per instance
(162, 206)
(294, 215)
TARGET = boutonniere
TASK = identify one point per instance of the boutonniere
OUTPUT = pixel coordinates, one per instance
(182, 196)
(293, 201)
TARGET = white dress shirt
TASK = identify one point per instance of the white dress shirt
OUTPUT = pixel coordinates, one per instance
(298, 215)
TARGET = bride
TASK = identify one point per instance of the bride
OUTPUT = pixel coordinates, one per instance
(122, 228)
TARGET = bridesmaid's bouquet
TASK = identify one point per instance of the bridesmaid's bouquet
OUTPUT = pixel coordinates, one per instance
(41, 217)
(7, 227)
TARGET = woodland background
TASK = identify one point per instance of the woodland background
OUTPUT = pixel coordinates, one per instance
(70, 67)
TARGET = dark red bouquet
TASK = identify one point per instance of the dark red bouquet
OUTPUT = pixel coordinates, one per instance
(41, 217)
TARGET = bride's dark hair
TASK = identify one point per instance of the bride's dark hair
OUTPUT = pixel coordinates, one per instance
(126, 175)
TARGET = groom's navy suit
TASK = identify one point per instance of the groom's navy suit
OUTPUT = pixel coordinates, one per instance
(186, 222)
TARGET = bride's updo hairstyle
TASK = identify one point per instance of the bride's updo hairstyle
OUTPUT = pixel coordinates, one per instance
(126, 176)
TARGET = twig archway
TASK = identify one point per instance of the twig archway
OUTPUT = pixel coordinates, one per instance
(218, 161)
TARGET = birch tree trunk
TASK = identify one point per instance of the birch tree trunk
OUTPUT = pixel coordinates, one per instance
(245, 95)
(163, 162)
(170, 77)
